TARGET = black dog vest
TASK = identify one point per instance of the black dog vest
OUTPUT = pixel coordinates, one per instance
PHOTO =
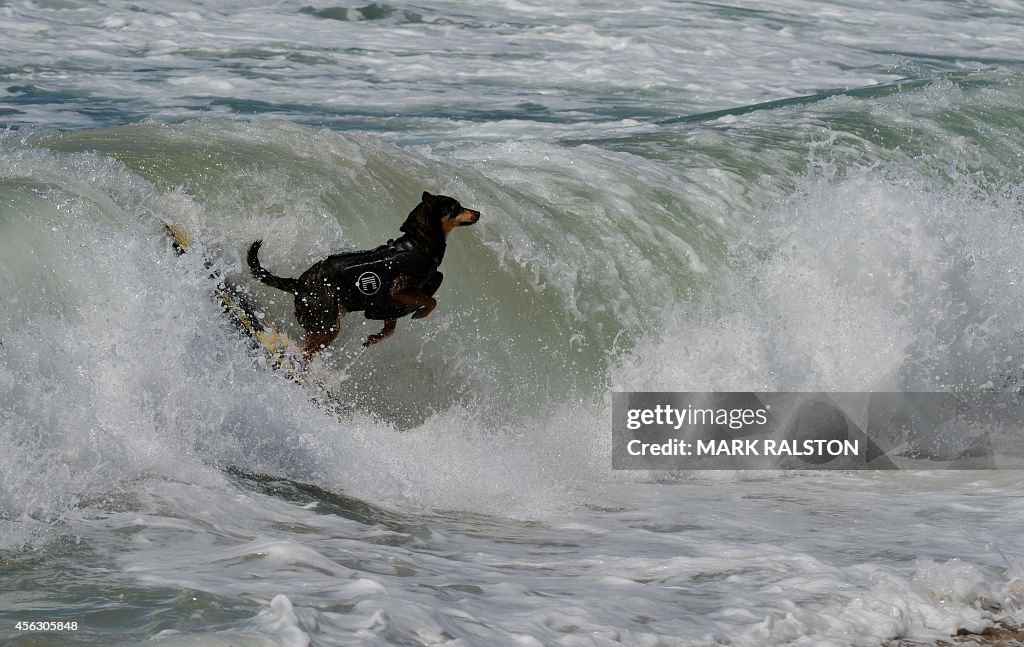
(364, 279)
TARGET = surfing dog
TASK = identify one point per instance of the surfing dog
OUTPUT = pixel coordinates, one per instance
(396, 279)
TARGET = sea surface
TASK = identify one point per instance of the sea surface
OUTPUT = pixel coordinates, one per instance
(781, 195)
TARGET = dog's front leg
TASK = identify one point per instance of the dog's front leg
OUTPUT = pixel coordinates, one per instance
(387, 331)
(426, 304)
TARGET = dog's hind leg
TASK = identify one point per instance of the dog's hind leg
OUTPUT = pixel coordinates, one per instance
(320, 338)
(317, 341)
(320, 315)
(387, 331)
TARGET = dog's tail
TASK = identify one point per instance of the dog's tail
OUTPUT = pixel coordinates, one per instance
(264, 276)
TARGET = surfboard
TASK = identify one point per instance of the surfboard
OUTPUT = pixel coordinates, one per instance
(281, 351)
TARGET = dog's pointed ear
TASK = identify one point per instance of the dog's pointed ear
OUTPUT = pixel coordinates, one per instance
(427, 197)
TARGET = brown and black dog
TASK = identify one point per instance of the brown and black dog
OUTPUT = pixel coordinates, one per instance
(386, 283)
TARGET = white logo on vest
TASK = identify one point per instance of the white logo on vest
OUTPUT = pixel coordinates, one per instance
(368, 283)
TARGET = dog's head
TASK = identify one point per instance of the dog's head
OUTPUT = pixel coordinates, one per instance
(439, 213)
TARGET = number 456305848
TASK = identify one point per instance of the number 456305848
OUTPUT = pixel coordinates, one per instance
(46, 625)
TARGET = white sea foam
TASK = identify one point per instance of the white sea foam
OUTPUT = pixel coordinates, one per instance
(132, 394)
(465, 496)
(444, 60)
